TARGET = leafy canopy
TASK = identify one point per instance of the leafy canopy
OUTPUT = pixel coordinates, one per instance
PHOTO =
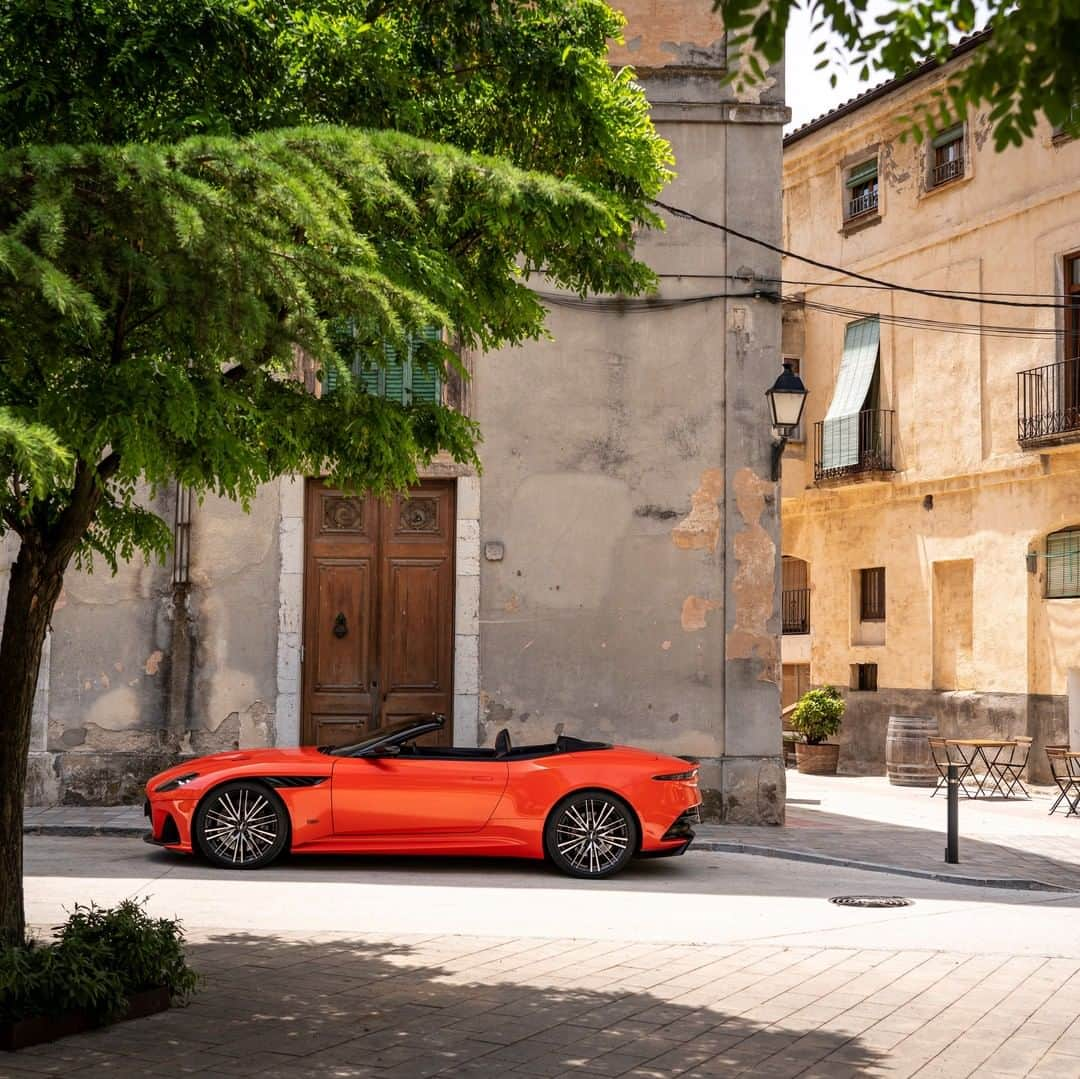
(1029, 65)
(192, 191)
(818, 714)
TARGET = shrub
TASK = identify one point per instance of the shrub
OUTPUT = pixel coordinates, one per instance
(817, 715)
(99, 959)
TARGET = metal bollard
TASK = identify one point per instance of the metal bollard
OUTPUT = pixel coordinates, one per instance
(952, 799)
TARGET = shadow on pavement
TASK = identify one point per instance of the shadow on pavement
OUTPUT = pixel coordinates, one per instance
(348, 1008)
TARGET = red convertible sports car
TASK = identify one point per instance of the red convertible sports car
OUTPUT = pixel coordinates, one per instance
(588, 807)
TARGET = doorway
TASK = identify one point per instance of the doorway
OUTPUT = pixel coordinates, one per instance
(378, 610)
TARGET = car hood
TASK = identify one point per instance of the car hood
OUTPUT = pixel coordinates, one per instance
(242, 759)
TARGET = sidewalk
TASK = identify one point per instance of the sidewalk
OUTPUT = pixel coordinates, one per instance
(864, 822)
(858, 821)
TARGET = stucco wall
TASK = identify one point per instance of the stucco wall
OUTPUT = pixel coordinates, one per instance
(135, 679)
(964, 492)
(632, 589)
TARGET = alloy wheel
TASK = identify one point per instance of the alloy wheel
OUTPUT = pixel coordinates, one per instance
(593, 836)
(241, 826)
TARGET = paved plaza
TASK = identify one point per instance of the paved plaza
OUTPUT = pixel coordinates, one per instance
(718, 963)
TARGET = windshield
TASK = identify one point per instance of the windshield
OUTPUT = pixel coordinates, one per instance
(384, 734)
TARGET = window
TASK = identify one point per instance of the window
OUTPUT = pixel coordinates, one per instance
(862, 190)
(399, 378)
(1072, 309)
(864, 677)
(1063, 564)
(872, 594)
(947, 162)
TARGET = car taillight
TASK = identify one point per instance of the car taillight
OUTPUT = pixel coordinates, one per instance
(679, 777)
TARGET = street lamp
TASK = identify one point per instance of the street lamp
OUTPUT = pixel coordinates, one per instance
(787, 398)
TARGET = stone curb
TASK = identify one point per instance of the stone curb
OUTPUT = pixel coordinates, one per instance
(85, 829)
(1016, 883)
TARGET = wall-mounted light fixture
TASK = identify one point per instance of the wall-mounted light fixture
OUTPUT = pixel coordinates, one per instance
(787, 399)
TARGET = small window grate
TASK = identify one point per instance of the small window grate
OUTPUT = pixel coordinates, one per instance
(872, 594)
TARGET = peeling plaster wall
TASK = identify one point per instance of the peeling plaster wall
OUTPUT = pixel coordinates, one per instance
(119, 704)
(964, 492)
(626, 473)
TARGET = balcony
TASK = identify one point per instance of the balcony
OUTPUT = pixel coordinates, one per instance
(950, 169)
(795, 610)
(863, 203)
(1048, 403)
(854, 445)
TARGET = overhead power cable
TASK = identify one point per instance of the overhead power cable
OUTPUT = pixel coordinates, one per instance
(981, 329)
(850, 284)
(632, 304)
(933, 293)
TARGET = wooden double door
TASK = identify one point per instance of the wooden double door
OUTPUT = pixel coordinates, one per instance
(378, 610)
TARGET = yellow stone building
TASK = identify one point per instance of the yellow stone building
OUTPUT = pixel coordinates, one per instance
(931, 508)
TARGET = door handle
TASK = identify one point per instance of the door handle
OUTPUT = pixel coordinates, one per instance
(482, 779)
(341, 625)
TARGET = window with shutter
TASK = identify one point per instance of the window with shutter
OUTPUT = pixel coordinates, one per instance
(1063, 564)
(398, 378)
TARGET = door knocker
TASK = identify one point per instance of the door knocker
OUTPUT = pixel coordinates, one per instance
(341, 627)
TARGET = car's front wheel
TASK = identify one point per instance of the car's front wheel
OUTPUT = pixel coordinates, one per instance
(591, 834)
(241, 825)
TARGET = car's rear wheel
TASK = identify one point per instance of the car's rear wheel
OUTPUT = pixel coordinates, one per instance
(241, 825)
(591, 834)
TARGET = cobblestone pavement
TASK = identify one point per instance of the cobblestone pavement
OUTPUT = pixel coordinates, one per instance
(464, 1006)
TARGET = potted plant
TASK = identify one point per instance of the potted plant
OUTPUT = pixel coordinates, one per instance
(817, 717)
(102, 966)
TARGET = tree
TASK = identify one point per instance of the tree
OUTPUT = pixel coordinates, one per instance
(1028, 66)
(192, 191)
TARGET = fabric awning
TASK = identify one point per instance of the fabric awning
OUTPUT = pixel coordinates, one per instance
(840, 432)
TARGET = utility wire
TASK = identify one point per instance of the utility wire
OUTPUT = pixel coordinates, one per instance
(633, 304)
(851, 284)
(933, 293)
(913, 322)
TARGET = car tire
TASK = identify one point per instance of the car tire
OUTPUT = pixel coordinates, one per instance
(241, 825)
(591, 834)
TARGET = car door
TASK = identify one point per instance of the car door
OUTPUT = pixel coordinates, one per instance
(404, 795)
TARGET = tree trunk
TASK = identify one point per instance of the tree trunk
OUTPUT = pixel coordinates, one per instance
(34, 587)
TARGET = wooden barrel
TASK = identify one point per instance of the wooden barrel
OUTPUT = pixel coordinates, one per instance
(907, 752)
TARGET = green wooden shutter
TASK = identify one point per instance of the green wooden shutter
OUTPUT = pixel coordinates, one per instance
(393, 374)
(425, 386)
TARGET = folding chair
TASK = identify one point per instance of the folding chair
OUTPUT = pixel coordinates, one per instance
(939, 752)
(1065, 768)
(1010, 768)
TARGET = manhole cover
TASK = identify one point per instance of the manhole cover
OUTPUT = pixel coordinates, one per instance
(870, 901)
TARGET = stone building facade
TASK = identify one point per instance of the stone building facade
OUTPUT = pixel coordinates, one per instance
(930, 509)
(612, 573)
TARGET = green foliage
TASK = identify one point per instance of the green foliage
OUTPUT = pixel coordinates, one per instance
(99, 959)
(181, 211)
(156, 297)
(1029, 66)
(818, 714)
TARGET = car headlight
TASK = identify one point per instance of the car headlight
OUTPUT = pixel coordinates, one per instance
(179, 781)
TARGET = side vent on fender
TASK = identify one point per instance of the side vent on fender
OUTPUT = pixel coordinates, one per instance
(292, 781)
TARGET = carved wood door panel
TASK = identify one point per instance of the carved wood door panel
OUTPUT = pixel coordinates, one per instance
(378, 610)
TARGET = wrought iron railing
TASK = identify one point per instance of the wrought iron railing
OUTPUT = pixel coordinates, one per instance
(948, 170)
(862, 204)
(1048, 402)
(856, 444)
(795, 610)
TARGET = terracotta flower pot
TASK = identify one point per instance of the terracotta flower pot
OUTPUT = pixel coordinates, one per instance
(819, 760)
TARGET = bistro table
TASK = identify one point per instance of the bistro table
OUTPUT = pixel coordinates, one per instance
(999, 775)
